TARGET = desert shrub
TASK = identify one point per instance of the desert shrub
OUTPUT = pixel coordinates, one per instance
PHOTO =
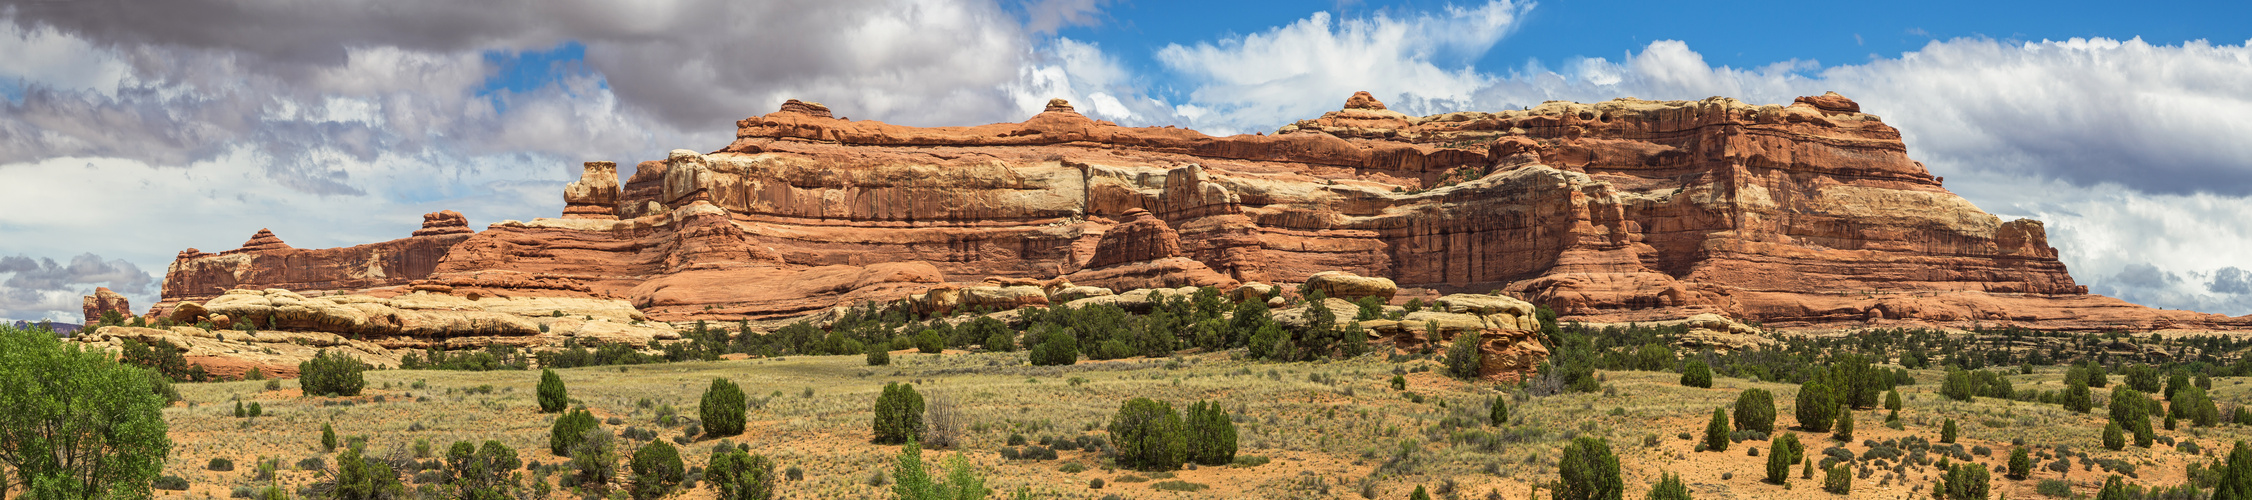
(2193, 403)
(1669, 487)
(568, 429)
(1964, 481)
(1817, 407)
(2113, 489)
(1844, 430)
(482, 473)
(170, 483)
(1498, 414)
(930, 342)
(552, 395)
(1755, 410)
(1419, 494)
(1947, 431)
(2076, 396)
(656, 470)
(942, 422)
(256, 409)
(1148, 435)
(331, 375)
(1588, 471)
(1892, 400)
(1209, 434)
(2054, 487)
(1056, 347)
(2140, 377)
(1957, 386)
(878, 355)
(1463, 359)
(594, 459)
(915, 483)
(217, 465)
(328, 438)
(2021, 464)
(899, 414)
(1716, 431)
(362, 478)
(1781, 454)
(1696, 374)
(740, 475)
(240, 410)
(723, 408)
(1838, 479)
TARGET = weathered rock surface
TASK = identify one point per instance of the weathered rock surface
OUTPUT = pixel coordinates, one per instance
(105, 301)
(1810, 213)
(1345, 285)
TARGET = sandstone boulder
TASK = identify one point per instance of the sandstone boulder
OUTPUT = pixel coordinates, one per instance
(1076, 293)
(1345, 285)
(104, 301)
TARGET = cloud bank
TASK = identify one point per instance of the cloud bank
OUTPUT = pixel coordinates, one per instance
(138, 129)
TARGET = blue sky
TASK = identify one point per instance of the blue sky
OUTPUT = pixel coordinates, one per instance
(130, 134)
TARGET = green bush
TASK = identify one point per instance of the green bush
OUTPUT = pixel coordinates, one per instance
(1838, 479)
(2113, 489)
(1957, 386)
(328, 438)
(1817, 408)
(594, 459)
(1498, 414)
(2193, 403)
(331, 375)
(1892, 400)
(878, 355)
(1210, 434)
(656, 470)
(486, 473)
(2058, 488)
(1716, 431)
(740, 475)
(1588, 471)
(1669, 487)
(1419, 494)
(1947, 431)
(1844, 429)
(1755, 410)
(553, 397)
(2232, 477)
(1783, 452)
(256, 409)
(723, 408)
(568, 429)
(1696, 374)
(915, 483)
(2076, 396)
(1057, 347)
(1463, 359)
(899, 414)
(1964, 481)
(361, 478)
(1148, 435)
(2021, 464)
(930, 342)
(2114, 438)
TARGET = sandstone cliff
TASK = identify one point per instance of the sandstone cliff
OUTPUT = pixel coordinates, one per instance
(1810, 213)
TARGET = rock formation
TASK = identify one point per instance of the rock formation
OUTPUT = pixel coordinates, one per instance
(104, 301)
(1810, 213)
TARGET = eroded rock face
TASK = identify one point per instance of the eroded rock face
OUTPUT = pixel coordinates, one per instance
(1622, 210)
(105, 301)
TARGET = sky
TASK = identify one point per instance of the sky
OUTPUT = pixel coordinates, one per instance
(130, 131)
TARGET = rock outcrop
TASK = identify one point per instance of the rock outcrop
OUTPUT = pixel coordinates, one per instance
(104, 301)
(1810, 213)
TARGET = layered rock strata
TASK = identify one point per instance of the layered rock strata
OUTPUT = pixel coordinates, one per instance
(1810, 213)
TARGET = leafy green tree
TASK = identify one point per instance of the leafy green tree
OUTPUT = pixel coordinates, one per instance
(2232, 477)
(1696, 374)
(1669, 487)
(361, 478)
(1588, 471)
(930, 342)
(1147, 434)
(1782, 452)
(2140, 377)
(1856, 381)
(878, 355)
(1947, 431)
(2194, 404)
(1716, 432)
(1210, 434)
(2175, 382)
(2114, 438)
(1817, 409)
(1755, 411)
(1957, 386)
(2021, 464)
(76, 424)
(1463, 359)
(1844, 429)
(1965, 481)
(331, 375)
(1498, 414)
(2076, 396)
(2113, 489)
(656, 469)
(740, 475)
(1892, 400)
(568, 430)
(487, 473)
(553, 396)
(899, 414)
(723, 408)
(595, 458)
(1057, 347)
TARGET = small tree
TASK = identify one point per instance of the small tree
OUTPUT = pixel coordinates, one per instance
(878, 355)
(1463, 359)
(1838, 479)
(2076, 396)
(1957, 386)
(568, 430)
(1716, 432)
(1147, 434)
(1697, 374)
(656, 469)
(1844, 430)
(360, 478)
(899, 415)
(1965, 481)
(553, 397)
(1892, 400)
(1588, 471)
(1210, 434)
(1419, 494)
(1947, 431)
(1669, 487)
(483, 473)
(1498, 414)
(1755, 411)
(739, 475)
(2114, 438)
(2113, 489)
(723, 408)
(331, 375)
(930, 342)
(1783, 452)
(58, 401)
(1817, 408)
(328, 438)
(1057, 347)
(2021, 464)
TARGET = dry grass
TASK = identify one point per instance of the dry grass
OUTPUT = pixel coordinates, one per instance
(1332, 429)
